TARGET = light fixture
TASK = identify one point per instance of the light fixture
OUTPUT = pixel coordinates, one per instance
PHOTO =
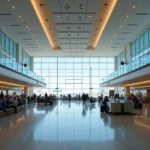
(19, 16)
(57, 16)
(127, 16)
(11, 84)
(134, 84)
(27, 27)
(89, 16)
(107, 16)
(13, 7)
(120, 26)
(8, 0)
(134, 6)
(22, 20)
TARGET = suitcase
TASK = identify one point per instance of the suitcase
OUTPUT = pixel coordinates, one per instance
(102, 108)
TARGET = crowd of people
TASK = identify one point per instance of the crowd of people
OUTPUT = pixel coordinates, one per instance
(7, 102)
(47, 99)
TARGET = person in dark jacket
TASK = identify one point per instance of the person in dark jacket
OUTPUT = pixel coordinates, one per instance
(69, 97)
(83, 98)
(105, 103)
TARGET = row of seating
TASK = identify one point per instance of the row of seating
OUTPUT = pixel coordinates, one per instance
(11, 110)
(48, 100)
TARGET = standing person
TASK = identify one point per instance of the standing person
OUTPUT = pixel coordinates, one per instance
(83, 98)
(69, 97)
(79, 96)
(61, 96)
(46, 98)
(34, 96)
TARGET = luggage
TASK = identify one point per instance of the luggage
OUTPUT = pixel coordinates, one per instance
(102, 108)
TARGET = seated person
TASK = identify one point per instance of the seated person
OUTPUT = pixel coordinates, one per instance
(13, 104)
(91, 100)
(3, 104)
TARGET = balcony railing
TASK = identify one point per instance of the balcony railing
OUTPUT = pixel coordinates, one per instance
(13, 65)
(136, 64)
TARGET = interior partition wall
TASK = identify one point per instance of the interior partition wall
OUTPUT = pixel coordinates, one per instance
(73, 75)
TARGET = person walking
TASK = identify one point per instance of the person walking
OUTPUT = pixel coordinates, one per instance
(69, 97)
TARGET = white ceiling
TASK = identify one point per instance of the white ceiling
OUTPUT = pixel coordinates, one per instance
(76, 20)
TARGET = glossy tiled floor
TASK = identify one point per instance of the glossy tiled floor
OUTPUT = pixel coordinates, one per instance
(71, 127)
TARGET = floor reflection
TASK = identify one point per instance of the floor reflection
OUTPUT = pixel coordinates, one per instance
(72, 126)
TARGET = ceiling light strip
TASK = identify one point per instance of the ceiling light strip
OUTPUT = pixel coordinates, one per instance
(36, 7)
(113, 4)
(12, 84)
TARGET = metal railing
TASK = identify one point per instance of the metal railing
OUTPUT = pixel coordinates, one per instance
(136, 64)
(13, 65)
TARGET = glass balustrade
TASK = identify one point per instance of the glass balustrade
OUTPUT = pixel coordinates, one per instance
(136, 64)
(11, 64)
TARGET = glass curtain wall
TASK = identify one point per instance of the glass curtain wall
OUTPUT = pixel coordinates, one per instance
(120, 57)
(9, 47)
(140, 49)
(72, 75)
(26, 59)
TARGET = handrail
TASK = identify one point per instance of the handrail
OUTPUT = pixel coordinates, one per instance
(13, 65)
(136, 64)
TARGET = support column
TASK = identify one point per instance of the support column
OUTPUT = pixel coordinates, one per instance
(127, 91)
(31, 64)
(19, 54)
(26, 91)
(148, 94)
(7, 92)
(128, 53)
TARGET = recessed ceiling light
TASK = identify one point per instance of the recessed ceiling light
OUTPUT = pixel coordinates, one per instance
(120, 26)
(22, 20)
(8, 0)
(13, 7)
(89, 16)
(57, 16)
(27, 27)
(127, 16)
(19, 16)
(134, 6)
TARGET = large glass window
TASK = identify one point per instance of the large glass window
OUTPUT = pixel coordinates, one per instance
(9, 47)
(73, 75)
(141, 45)
(26, 59)
(120, 57)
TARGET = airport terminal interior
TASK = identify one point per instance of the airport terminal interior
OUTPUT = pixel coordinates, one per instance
(74, 74)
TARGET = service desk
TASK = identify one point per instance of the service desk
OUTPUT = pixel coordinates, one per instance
(121, 107)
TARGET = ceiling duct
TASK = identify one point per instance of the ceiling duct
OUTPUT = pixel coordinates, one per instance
(141, 14)
(133, 24)
(5, 14)
(15, 25)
